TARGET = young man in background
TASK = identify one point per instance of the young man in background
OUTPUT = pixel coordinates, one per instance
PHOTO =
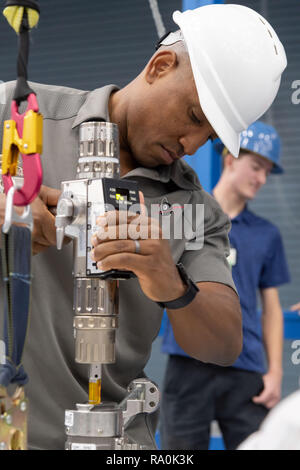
(238, 397)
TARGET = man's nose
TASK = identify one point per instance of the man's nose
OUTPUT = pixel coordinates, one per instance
(195, 138)
(262, 176)
(191, 142)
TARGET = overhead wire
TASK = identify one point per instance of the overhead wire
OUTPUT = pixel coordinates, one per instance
(159, 24)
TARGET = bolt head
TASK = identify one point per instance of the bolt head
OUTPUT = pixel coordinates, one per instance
(23, 406)
(8, 419)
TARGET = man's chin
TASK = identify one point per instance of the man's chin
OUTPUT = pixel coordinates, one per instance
(251, 195)
(152, 162)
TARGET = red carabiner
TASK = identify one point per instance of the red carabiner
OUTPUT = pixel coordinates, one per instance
(29, 141)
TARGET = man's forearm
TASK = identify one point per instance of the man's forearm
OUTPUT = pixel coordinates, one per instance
(273, 340)
(272, 322)
(210, 327)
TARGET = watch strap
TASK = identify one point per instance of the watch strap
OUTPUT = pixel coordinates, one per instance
(187, 297)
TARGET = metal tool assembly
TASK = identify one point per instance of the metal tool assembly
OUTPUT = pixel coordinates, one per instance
(13, 402)
(96, 189)
(13, 419)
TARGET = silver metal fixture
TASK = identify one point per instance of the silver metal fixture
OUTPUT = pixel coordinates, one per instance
(96, 189)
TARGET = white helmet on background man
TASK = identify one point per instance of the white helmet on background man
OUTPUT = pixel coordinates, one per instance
(237, 61)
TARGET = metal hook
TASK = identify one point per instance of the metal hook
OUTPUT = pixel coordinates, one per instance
(11, 216)
(23, 133)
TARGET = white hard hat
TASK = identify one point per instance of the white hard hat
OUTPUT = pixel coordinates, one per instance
(237, 62)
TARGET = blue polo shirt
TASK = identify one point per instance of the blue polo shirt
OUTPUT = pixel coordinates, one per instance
(260, 263)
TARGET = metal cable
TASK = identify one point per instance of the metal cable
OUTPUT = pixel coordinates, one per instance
(159, 24)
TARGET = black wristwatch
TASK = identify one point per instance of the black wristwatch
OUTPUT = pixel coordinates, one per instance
(187, 297)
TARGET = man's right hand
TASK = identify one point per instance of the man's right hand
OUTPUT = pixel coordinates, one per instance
(44, 230)
(295, 307)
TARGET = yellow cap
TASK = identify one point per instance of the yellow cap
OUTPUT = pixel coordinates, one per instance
(14, 16)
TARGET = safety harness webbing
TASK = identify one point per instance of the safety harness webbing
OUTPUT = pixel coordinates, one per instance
(16, 273)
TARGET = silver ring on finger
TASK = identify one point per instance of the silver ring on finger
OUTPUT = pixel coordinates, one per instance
(137, 247)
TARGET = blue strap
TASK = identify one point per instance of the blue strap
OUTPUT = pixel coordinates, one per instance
(16, 272)
(9, 374)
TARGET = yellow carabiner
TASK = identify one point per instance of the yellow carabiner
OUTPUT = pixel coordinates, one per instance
(29, 143)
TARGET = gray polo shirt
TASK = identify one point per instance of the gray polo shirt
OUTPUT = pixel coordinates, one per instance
(56, 381)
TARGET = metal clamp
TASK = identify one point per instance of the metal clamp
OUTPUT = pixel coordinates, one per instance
(23, 134)
(143, 398)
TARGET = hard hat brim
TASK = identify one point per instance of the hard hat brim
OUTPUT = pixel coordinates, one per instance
(227, 134)
(276, 170)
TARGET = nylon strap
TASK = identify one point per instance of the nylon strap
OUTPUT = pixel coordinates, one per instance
(23, 90)
(16, 274)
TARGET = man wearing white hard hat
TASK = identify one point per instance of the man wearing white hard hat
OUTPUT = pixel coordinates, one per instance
(237, 397)
(237, 74)
(180, 100)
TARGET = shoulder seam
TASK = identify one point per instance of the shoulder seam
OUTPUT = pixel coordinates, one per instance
(61, 119)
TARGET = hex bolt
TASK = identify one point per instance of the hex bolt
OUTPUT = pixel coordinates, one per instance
(23, 406)
(8, 419)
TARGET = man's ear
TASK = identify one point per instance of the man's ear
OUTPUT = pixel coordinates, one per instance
(160, 64)
(228, 160)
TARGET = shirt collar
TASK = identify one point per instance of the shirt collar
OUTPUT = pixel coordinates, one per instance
(95, 106)
(179, 172)
(244, 216)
